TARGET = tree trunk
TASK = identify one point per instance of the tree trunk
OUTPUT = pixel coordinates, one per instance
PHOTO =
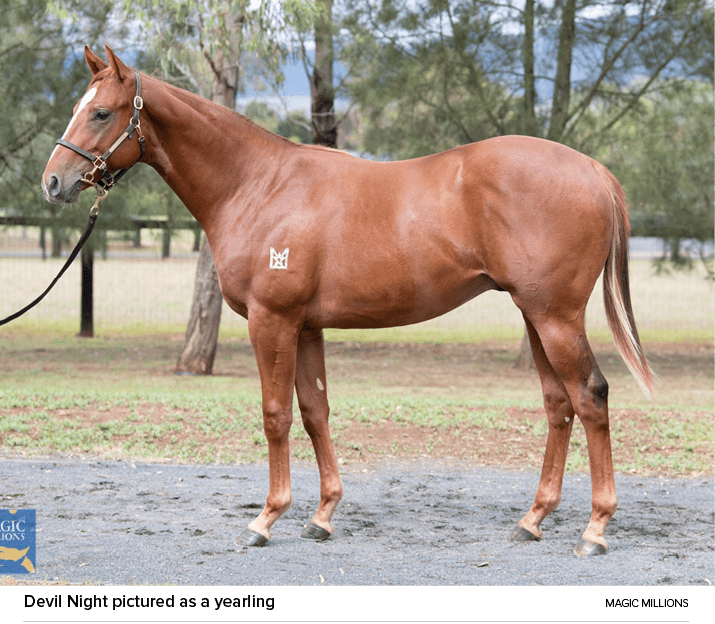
(562, 79)
(530, 126)
(199, 350)
(322, 94)
(197, 355)
(525, 361)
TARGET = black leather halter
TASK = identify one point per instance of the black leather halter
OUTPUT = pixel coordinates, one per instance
(108, 180)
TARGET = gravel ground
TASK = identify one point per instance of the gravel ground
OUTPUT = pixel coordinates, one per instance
(422, 523)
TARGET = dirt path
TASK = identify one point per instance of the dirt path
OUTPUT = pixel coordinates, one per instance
(423, 523)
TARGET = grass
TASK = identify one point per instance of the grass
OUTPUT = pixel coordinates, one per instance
(118, 398)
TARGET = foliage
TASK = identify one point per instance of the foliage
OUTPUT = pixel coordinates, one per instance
(41, 78)
(436, 73)
(295, 128)
(422, 77)
(663, 156)
(198, 38)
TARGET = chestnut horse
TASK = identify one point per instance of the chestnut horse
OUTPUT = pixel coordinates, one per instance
(305, 237)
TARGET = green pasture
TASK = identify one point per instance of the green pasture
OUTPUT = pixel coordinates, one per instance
(119, 398)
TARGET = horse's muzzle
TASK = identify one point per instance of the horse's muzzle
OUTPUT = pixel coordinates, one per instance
(58, 192)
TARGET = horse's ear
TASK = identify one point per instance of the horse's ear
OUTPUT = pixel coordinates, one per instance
(117, 65)
(95, 63)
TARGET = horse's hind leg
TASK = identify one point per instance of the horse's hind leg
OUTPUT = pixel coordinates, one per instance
(569, 354)
(311, 387)
(560, 415)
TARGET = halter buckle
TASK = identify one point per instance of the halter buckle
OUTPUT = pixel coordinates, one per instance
(98, 165)
(101, 194)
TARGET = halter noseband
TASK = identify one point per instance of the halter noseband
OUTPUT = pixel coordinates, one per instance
(108, 180)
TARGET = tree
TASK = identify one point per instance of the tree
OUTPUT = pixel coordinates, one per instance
(432, 74)
(322, 92)
(415, 78)
(201, 339)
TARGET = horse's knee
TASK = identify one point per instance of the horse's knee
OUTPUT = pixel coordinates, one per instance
(276, 421)
(314, 418)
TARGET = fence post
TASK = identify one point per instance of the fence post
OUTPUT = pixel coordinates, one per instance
(86, 329)
(166, 242)
(42, 242)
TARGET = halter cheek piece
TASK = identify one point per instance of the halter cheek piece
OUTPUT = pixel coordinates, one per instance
(107, 181)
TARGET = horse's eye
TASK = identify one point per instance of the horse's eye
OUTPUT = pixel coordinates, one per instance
(102, 115)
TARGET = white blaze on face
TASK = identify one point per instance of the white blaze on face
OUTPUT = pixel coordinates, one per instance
(88, 97)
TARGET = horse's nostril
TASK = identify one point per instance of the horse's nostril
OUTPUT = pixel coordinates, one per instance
(54, 186)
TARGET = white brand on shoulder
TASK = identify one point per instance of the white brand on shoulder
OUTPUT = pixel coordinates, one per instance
(279, 260)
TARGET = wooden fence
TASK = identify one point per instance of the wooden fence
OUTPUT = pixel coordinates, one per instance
(134, 224)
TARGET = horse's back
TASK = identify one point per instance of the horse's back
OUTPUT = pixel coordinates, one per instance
(492, 206)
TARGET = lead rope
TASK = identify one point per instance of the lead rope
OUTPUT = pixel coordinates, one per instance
(93, 213)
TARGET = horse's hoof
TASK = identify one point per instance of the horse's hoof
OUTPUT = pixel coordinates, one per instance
(315, 533)
(250, 538)
(520, 534)
(586, 548)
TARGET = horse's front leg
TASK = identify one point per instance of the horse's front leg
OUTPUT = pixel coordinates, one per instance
(311, 386)
(274, 338)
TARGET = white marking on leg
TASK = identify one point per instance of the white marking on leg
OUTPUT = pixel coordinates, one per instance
(319, 384)
(279, 260)
(88, 97)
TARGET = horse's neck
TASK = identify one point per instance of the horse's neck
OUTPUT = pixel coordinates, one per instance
(206, 153)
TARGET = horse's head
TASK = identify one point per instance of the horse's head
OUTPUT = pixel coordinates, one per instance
(95, 143)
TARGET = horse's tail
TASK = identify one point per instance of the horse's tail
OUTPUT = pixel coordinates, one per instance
(616, 287)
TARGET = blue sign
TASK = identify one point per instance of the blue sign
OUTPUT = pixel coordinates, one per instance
(17, 541)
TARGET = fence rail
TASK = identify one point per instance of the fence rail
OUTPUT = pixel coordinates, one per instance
(134, 223)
